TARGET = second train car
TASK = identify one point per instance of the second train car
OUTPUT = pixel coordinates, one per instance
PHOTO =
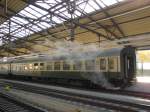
(116, 65)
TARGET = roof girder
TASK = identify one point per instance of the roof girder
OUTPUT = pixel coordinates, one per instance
(78, 24)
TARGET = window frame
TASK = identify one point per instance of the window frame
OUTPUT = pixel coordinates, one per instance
(68, 63)
(106, 64)
(59, 65)
(93, 67)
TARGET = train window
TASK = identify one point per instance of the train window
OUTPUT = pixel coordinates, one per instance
(30, 66)
(49, 66)
(14, 67)
(20, 68)
(111, 63)
(90, 64)
(66, 65)
(57, 65)
(41, 64)
(102, 64)
(77, 65)
(25, 68)
(36, 66)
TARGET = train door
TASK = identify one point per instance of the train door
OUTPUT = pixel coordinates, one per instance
(128, 66)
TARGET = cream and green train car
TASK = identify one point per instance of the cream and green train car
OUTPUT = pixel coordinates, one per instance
(117, 65)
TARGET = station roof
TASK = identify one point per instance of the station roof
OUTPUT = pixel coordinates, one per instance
(36, 26)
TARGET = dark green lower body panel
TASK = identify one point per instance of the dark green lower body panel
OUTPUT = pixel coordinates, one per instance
(95, 77)
(78, 75)
(63, 74)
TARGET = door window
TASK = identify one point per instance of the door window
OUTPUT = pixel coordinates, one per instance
(102, 64)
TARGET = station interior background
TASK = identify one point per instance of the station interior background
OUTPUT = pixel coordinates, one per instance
(143, 66)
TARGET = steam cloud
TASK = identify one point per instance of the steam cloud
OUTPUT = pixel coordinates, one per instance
(74, 50)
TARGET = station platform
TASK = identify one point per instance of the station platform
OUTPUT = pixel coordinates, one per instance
(142, 85)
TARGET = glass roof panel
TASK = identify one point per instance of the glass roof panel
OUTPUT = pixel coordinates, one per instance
(20, 20)
(42, 12)
(109, 2)
(44, 25)
(33, 12)
(33, 19)
(42, 4)
(93, 4)
(88, 9)
(100, 3)
(0, 40)
(57, 19)
(24, 12)
(120, 0)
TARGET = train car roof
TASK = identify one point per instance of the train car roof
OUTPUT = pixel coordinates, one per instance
(117, 51)
(110, 52)
(68, 56)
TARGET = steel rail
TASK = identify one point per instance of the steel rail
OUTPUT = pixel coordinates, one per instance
(11, 104)
(84, 99)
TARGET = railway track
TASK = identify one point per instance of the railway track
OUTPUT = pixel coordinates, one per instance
(85, 99)
(96, 89)
(10, 104)
(130, 93)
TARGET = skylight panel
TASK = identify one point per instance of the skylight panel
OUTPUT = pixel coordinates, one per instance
(33, 12)
(4, 25)
(14, 28)
(35, 19)
(44, 25)
(5, 30)
(19, 34)
(22, 33)
(100, 3)
(57, 20)
(42, 12)
(66, 14)
(13, 24)
(109, 2)
(93, 4)
(52, 1)
(35, 28)
(82, 6)
(22, 21)
(24, 12)
(77, 13)
(0, 41)
(61, 10)
(46, 19)
(28, 32)
(51, 20)
(1, 35)
(42, 4)
(88, 9)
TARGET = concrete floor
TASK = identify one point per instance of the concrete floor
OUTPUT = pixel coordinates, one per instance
(52, 104)
(60, 105)
(140, 87)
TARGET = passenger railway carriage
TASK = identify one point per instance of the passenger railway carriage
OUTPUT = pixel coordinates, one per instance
(118, 65)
